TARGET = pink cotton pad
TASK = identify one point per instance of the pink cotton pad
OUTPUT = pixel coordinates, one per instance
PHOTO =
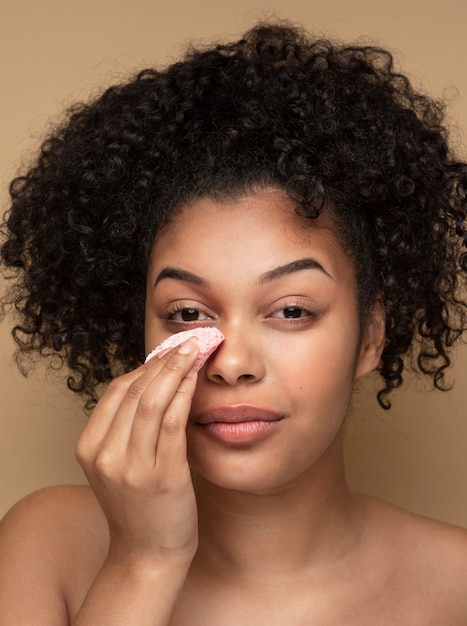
(208, 340)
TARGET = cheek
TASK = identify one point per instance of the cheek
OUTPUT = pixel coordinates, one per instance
(321, 357)
(320, 373)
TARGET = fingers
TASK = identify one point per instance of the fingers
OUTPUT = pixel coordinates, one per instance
(162, 413)
(133, 452)
(171, 450)
(127, 419)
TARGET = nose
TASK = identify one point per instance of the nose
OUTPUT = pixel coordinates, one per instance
(238, 360)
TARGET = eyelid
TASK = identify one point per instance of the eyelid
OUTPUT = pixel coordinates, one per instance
(308, 314)
(293, 302)
(175, 307)
(310, 310)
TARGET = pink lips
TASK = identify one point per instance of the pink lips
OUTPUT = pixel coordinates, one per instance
(238, 424)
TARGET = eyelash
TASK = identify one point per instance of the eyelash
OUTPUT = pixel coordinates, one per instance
(307, 315)
(178, 308)
(299, 306)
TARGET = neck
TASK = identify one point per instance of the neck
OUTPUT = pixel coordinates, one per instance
(288, 528)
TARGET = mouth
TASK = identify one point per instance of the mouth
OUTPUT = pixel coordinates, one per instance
(238, 424)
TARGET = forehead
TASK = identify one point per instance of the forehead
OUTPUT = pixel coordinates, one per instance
(258, 230)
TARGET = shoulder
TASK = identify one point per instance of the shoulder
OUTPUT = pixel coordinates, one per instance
(52, 498)
(51, 515)
(439, 554)
(428, 560)
(51, 544)
(442, 550)
(426, 540)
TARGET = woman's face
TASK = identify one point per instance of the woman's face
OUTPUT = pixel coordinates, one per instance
(271, 400)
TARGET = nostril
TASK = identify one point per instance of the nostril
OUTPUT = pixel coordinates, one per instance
(220, 378)
(238, 360)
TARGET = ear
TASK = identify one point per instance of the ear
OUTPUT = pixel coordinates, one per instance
(373, 339)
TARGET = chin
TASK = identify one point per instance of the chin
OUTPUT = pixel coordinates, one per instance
(247, 475)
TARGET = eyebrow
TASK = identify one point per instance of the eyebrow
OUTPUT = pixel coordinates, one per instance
(299, 265)
(183, 275)
(291, 268)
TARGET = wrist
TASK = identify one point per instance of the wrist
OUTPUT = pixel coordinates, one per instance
(140, 566)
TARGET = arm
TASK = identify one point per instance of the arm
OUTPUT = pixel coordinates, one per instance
(30, 589)
(133, 593)
(133, 452)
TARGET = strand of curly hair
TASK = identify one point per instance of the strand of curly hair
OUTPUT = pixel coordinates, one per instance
(334, 125)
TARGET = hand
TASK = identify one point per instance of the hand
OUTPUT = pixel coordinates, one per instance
(133, 452)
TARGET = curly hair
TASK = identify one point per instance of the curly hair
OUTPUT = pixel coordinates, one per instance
(334, 125)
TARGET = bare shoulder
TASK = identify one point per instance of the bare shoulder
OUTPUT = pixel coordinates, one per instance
(52, 543)
(443, 548)
(426, 539)
(52, 516)
(428, 560)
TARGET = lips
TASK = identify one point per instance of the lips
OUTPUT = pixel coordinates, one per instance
(236, 414)
(240, 424)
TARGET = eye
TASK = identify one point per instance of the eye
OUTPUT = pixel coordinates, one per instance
(293, 312)
(185, 314)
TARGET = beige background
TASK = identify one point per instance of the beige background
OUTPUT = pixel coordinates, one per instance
(53, 52)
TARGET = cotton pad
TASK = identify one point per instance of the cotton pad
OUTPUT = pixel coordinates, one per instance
(209, 339)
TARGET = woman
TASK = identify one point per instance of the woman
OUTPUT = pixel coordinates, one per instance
(300, 197)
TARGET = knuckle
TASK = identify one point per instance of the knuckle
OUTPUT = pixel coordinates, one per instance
(104, 464)
(182, 392)
(131, 479)
(136, 389)
(117, 386)
(174, 365)
(148, 407)
(82, 451)
(85, 449)
(172, 425)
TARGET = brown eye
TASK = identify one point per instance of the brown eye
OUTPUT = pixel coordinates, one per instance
(189, 315)
(293, 312)
(186, 315)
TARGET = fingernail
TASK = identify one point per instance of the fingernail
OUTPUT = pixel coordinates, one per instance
(187, 347)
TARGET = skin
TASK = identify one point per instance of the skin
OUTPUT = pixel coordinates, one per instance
(180, 527)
